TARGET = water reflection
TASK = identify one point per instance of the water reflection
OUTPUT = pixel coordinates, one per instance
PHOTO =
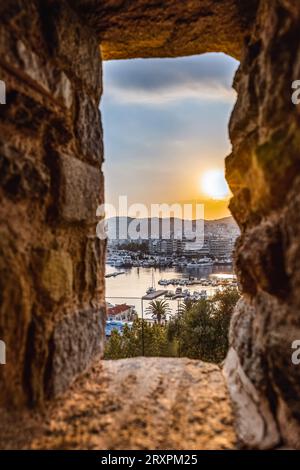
(131, 286)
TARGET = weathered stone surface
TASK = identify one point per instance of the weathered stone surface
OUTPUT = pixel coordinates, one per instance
(21, 175)
(48, 59)
(93, 269)
(24, 113)
(168, 29)
(48, 45)
(89, 137)
(57, 274)
(15, 301)
(55, 83)
(77, 48)
(255, 424)
(263, 172)
(76, 340)
(139, 403)
(81, 189)
(41, 74)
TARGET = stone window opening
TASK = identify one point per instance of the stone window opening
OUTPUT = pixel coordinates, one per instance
(140, 98)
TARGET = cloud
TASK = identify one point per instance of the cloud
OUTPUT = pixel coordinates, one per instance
(157, 81)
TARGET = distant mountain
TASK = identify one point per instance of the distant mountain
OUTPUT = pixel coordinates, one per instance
(119, 227)
(225, 220)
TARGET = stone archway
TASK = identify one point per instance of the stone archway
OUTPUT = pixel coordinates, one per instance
(51, 150)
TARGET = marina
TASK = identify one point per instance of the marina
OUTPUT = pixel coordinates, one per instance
(125, 260)
(138, 286)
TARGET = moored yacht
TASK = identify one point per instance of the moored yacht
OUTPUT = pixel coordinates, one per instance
(151, 289)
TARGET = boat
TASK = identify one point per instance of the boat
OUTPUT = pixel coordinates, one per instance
(205, 262)
(169, 294)
(115, 274)
(192, 264)
(151, 289)
(163, 282)
(200, 263)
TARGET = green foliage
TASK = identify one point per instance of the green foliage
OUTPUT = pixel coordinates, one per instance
(130, 343)
(202, 330)
(199, 331)
(185, 306)
(159, 309)
(114, 348)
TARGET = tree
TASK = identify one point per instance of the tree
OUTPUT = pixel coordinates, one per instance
(201, 332)
(129, 343)
(113, 349)
(185, 306)
(159, 310)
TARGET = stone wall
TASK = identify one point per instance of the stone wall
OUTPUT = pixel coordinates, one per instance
(51, 264)
(168, 28)
(263, 172)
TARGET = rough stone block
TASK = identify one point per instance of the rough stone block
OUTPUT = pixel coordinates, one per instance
(57, 275)
(88, 129)
(43, 75)
(24, 113)
(256, 426)
(170, 29)
(77, 48)
(81, 190)
(22, 175)
(94, 268)
(76, 341)
(54, 82)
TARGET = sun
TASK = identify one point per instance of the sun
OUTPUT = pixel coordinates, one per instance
(214, 185)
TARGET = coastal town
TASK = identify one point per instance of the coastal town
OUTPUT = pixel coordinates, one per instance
(175, 270)
(214, 246)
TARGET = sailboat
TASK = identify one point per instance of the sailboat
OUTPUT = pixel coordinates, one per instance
(152, 288)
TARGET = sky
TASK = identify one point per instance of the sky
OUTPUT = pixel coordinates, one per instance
(166, 130)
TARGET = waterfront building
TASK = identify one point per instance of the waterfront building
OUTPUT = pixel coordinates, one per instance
(192, 248)
(165, 247)
(221, 247)
(121, 312)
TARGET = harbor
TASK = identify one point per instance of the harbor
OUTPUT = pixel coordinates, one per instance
(138, 286)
